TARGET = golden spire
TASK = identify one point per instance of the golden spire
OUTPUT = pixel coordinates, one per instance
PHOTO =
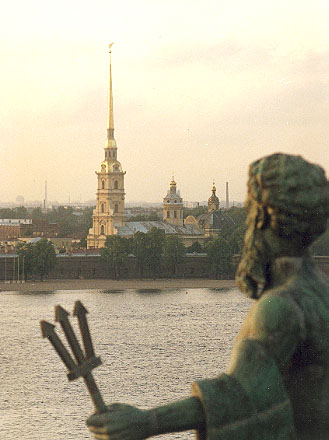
(110, 124)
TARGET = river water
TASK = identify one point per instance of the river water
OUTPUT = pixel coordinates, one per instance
(153, 344)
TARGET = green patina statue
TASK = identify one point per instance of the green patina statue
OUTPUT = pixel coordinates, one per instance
(277, 382)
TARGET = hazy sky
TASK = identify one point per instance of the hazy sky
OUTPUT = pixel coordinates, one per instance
(201, 88)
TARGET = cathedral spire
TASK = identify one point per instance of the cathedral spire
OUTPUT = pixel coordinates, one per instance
(110, 142)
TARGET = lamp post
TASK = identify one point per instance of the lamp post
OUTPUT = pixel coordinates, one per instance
(23, 275)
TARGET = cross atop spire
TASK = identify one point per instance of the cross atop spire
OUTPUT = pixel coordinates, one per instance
(110, 143)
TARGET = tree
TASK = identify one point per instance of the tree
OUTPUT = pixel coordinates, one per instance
(44, 257)
(37, 214)
(195, 247)
(18, 212)
(148, 250)
(174, 252)
(21, 212)
(195, 211)
(83, 243)
(155, 241)
(115, 253)
(220, 255)
(152, 216)
(25, 253)
(236, 239)
(139, 248)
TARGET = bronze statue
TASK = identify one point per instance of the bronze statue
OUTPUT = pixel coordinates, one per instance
(277, 382)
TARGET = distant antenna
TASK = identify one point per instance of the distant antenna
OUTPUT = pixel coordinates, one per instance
(45, 202)
(227, 197)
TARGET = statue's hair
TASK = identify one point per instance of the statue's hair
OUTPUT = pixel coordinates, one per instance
(288, 195)
(294, 193)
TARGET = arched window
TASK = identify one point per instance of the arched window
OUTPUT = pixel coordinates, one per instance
(102, 230)
(102, 207)
(115, 184)
(116, 208)
(103, 184)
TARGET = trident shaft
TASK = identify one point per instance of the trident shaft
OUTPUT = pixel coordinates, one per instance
(85, 361)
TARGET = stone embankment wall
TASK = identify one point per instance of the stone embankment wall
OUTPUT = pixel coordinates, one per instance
(92, 266)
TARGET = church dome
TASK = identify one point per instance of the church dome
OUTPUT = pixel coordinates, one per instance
(215, 220)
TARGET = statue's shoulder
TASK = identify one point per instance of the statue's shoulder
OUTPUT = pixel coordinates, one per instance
(277, 313)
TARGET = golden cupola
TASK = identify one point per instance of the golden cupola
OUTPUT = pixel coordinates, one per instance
(213, 201)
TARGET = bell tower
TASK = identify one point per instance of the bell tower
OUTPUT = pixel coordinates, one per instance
(110, 195)
(173, 206)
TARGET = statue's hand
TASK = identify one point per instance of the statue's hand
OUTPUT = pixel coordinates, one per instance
(120, 422)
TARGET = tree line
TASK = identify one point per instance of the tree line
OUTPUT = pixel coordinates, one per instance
(151, 250)
(70, 222)
(36, 258)
(154, 249)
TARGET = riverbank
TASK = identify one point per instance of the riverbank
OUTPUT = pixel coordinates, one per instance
(37, 286)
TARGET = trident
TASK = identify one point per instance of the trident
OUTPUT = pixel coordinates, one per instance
(85, 362)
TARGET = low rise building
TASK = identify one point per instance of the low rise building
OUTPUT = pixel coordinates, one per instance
(14, 228)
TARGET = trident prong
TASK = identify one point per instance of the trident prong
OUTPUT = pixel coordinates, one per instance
(85, 362)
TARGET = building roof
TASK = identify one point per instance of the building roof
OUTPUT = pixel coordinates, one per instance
(131, 227)
(215, 220)
(15, 221)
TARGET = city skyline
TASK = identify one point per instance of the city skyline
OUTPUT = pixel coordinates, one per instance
(200, 90)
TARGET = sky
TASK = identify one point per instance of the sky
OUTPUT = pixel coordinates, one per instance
(201, 89)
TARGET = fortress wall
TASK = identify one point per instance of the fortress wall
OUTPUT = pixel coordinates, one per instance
(92, 266)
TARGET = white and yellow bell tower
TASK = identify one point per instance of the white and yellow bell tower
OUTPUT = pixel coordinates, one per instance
(110, 195)
(173, 206)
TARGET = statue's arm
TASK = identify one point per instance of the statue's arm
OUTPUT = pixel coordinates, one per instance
(182, 415)
(273, 334)
(125, 422)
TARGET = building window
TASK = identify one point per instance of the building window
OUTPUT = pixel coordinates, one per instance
(102, 207)
(115, 184)
(168, 214)
(116, 208)
(175, 214)
(103, 184)
(102, 230)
